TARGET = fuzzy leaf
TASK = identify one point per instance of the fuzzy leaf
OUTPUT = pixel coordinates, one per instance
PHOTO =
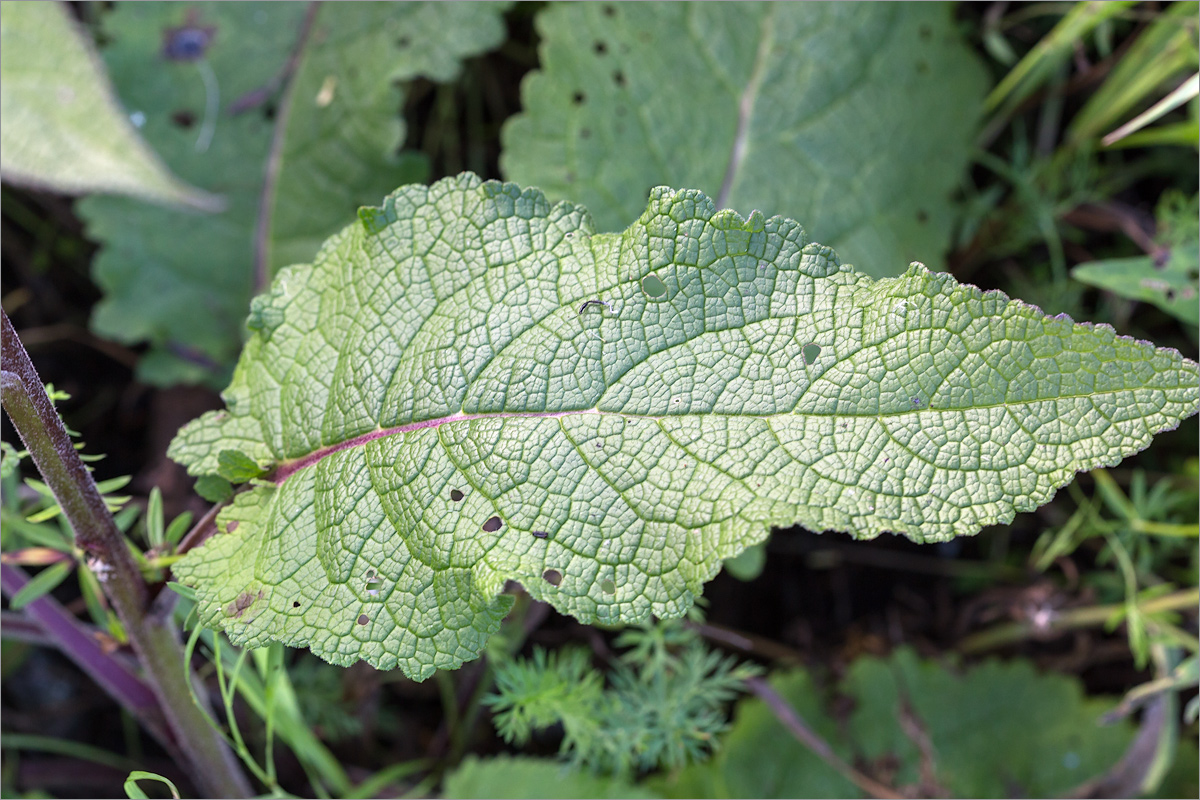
(854, 117)
(63, 129)
(472, 386)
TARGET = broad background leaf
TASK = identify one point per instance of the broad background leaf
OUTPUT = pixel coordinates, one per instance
(183, 282)
(63, 128)
(854, 117)
(519, 776)
(997, 730)
(471, 386)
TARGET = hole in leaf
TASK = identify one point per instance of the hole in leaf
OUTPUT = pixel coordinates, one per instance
(653, 286)
(1170, 294)
(619, 78)
(916, 401)
(552, 577)
(269, 111)
(607, 586)
(295, 604)
(578, 98)
(811, 351)
(183, 118)
(600, 47)
(231, 527)
(1193, 274)
(492, 525)
(363, 619)
(456, 495)
(541, 534)
(373, 585)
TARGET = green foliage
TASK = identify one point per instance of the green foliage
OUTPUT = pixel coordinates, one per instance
(783, 107)
(664, 707)
(993, 730)
(63, 129)
(519, 777)
(1169, 279)
(511, 403)
(294, 167)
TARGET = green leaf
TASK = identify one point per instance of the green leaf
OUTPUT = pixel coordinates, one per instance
(214, 488)
(995, 730)
(1169, 280)
(472, 387)
(1172, 287)
(135, 792)
(42, 584)
(295, 161)
(854, 117)
(517, 776)
(63, 128)
(237, 467)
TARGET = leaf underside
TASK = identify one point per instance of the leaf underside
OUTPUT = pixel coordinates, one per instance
(471, 386)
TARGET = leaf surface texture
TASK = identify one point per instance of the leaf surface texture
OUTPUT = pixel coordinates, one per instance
(472, 386)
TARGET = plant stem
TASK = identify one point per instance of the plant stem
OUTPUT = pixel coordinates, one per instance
(152, 635)
(1011, 632)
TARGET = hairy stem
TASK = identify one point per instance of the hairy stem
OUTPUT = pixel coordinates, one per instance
(154, 637)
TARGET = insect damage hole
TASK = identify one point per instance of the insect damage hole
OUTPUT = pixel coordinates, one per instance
(653, 286)
(552, 577)
(456, 495)
(811, 351)
(363, 619)
(492, 525)
(608, 586)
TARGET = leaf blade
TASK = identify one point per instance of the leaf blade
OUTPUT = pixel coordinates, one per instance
(495, 396)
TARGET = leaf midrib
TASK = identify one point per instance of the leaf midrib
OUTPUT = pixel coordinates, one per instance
(287, 468)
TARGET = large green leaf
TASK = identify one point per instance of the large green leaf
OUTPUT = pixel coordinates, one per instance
(472, 386)
(995, 730)
(63, 129)
(294, 164)
(855, 117)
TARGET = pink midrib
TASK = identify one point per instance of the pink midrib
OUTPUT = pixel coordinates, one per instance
(288, 468)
